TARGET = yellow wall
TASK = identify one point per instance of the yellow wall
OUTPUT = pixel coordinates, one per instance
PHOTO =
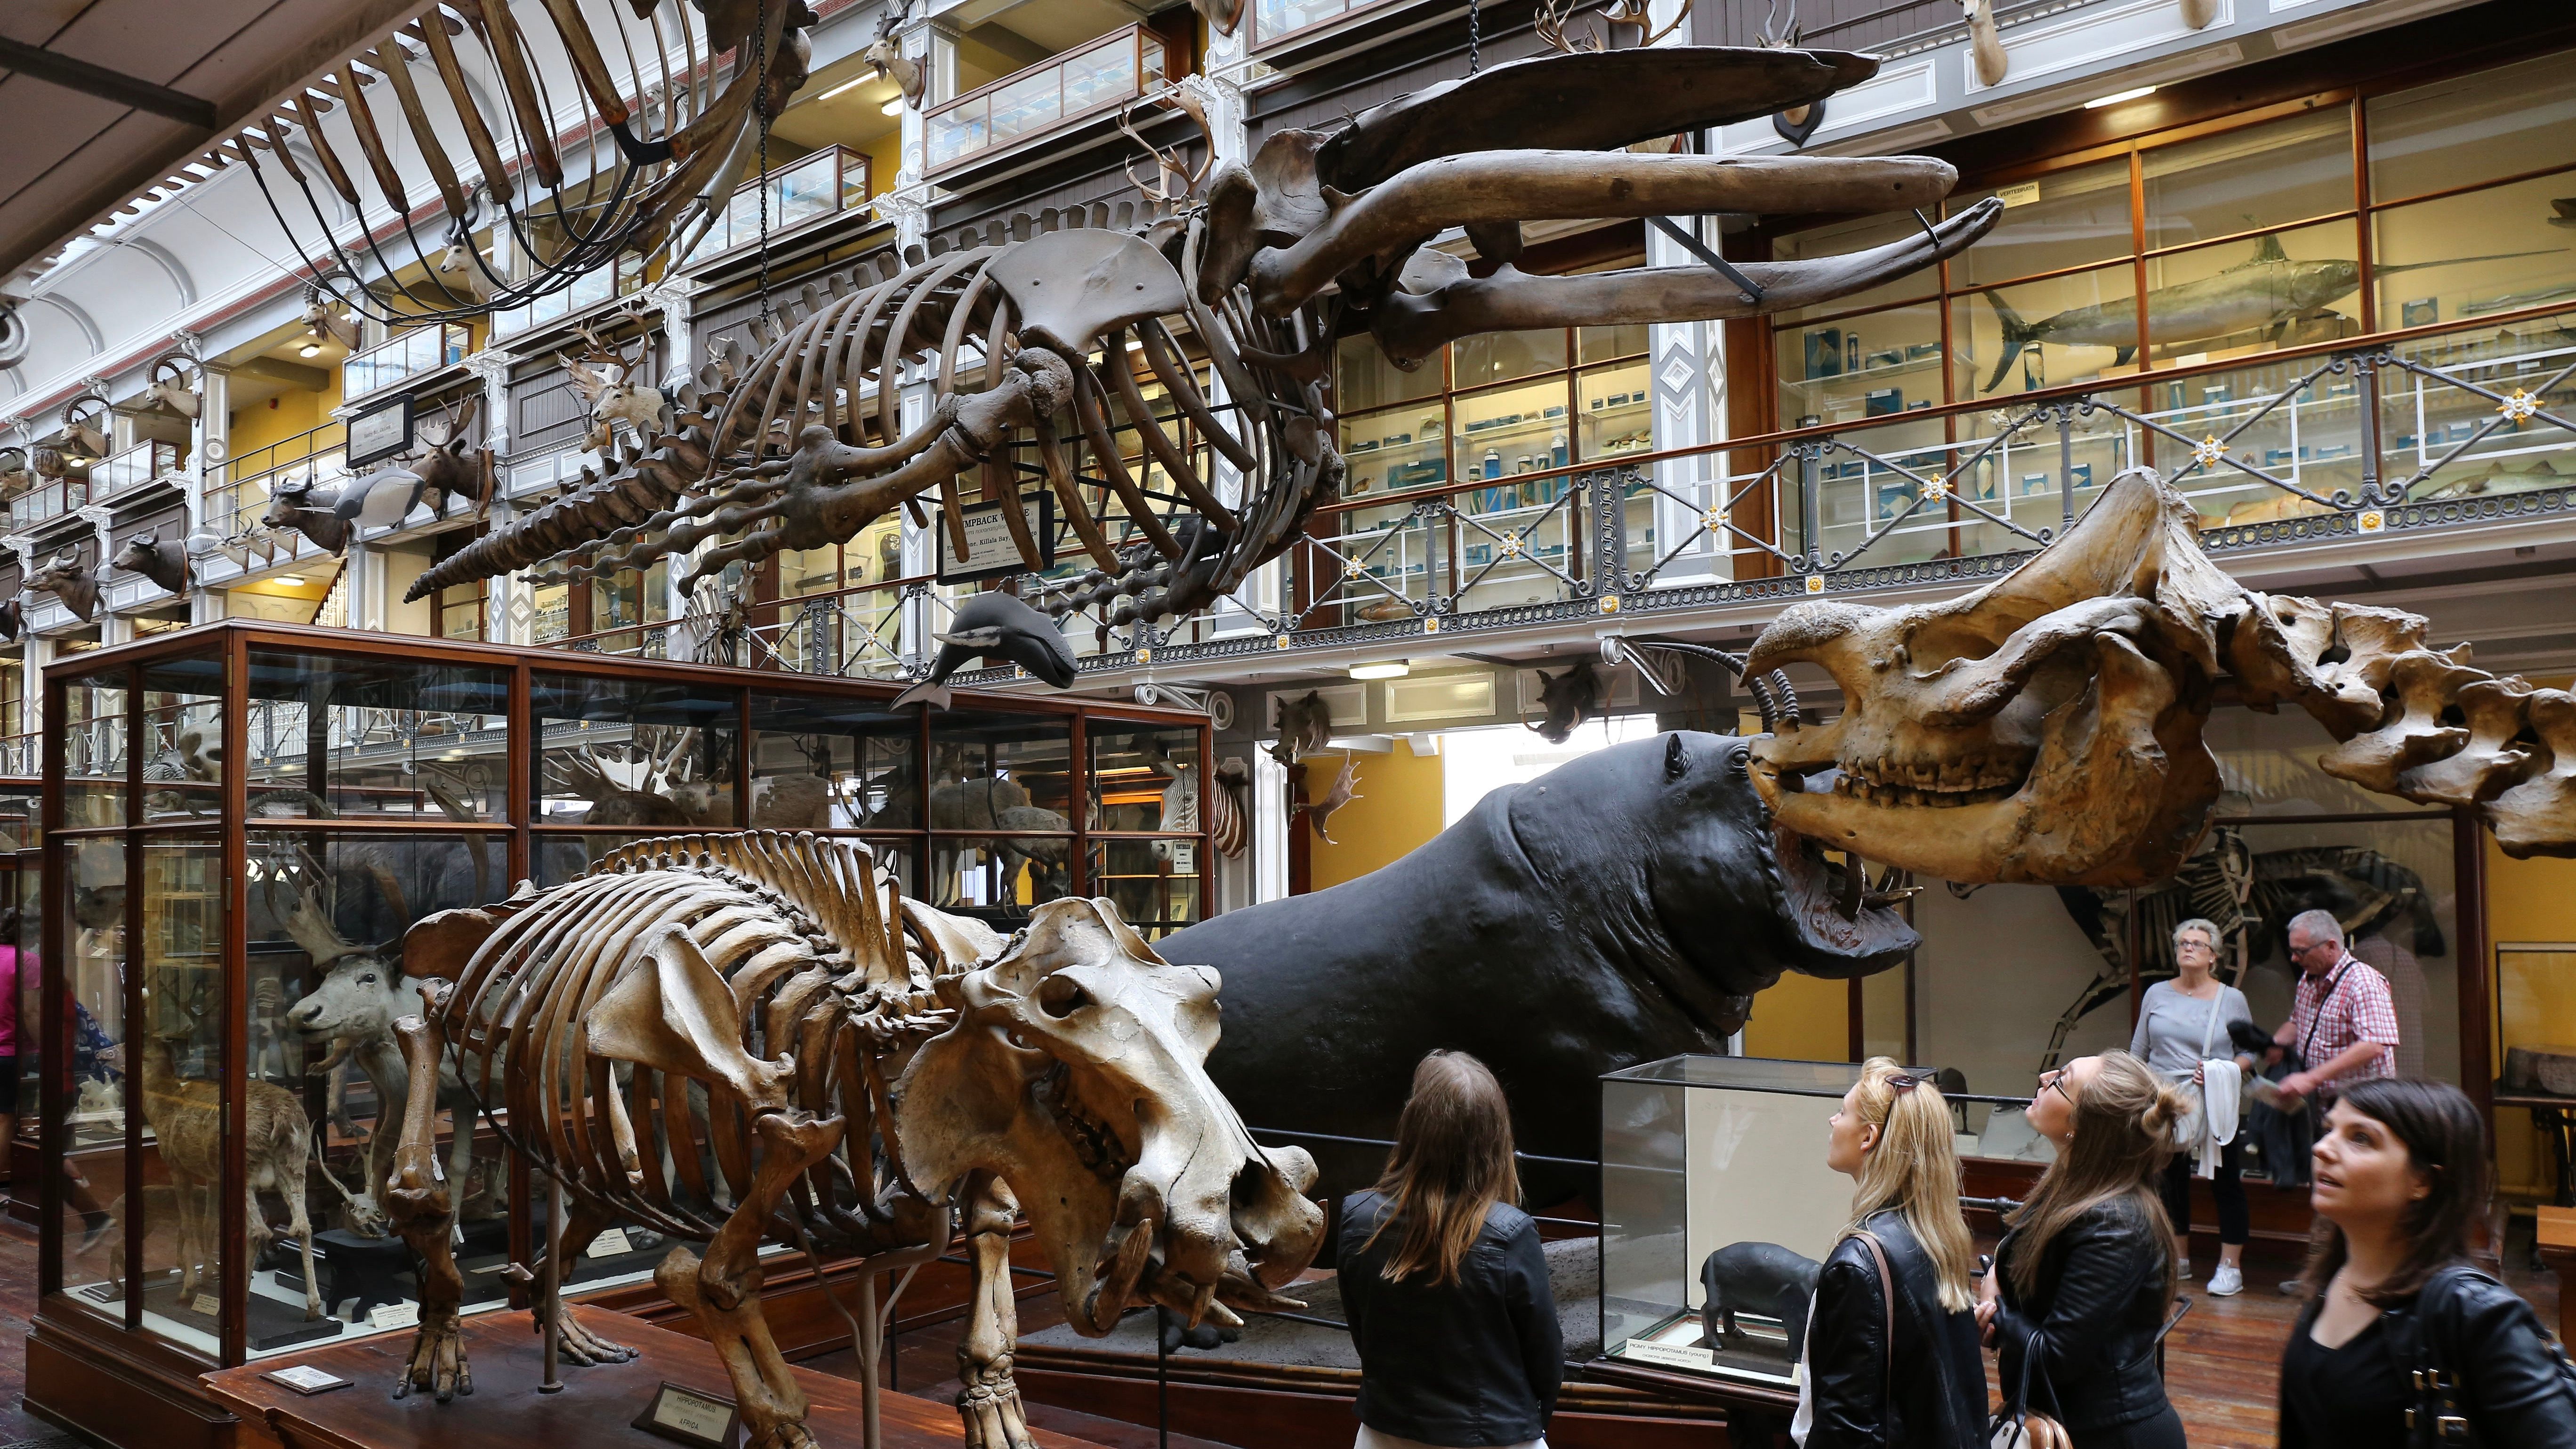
(885, 158)
(1397, 808)
(2527, 900)
(1804, 1018)
(297, 411)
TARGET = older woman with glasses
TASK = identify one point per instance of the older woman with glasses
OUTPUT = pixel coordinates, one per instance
(2182, 1037)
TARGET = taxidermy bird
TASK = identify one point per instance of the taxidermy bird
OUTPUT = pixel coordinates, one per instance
(1345, 789)
(994, 627)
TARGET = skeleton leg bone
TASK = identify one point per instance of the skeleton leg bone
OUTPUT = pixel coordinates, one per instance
(417, 1200)
(582, 1222)
(723, 1289)
(989, 1399)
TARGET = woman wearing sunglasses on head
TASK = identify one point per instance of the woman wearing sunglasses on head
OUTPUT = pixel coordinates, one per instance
(2084, 1276)
(1891, 1354)
(2404, 1326)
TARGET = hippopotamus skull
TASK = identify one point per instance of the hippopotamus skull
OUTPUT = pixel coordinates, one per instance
(1076, 1072)
(2046, 729)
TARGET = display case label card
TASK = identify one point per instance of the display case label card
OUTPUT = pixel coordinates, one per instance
(1673, 1354)
(205, 1303)
(393, 1315)
(688, 1416)
(305, 1379)
(1185, 858)
(609, 1244)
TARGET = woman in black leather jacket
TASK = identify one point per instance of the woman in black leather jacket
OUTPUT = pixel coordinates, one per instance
(1892, 1360)
(2399, 1179)
(2084, 1277)
(1442, 1279)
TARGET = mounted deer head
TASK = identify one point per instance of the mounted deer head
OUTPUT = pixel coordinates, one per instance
(605, 378)
(69, 580)
(886, 54)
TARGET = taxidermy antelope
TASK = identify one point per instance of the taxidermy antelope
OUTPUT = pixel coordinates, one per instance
(169, 386)
(68, 579)
(187, 1117)
(1048, 343)
(610, 390)
(880, 1078)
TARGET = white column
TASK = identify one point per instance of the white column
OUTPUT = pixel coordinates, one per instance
(210, 449)
(1269, 824)
(1688, 367)
(505, 599)
(39, 653)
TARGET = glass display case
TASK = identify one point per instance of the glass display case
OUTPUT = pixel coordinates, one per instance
(241, 822)
(1716, 1211)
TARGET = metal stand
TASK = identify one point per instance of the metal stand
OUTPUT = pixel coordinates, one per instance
(550, 1283)
(1162, 1379)
(871, 1350)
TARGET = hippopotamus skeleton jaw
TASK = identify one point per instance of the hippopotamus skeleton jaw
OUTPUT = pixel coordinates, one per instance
(2047, 728)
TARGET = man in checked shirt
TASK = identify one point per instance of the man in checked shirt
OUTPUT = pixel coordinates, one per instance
(2342, 1023)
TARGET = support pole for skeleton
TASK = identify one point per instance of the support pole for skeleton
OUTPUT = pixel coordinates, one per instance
(550, 1282)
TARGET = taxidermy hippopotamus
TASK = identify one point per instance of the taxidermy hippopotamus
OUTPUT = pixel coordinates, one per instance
(1621, 908)
(1762, 1278)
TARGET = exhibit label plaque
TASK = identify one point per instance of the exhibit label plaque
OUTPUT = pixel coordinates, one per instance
(380, 432)
(990, 554)
(305, 1379)
(691, 1417)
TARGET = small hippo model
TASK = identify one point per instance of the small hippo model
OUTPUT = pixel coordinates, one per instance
(1759, 1278)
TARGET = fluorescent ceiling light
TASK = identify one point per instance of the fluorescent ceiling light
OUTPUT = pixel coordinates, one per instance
(891, 108)
(2116, 97)
(309, 349)
(847, 85)
(292, 581)
(1389, 669)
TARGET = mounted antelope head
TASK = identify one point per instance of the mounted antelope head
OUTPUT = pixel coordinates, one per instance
(70, 580)
(886, 54)
(169, 385)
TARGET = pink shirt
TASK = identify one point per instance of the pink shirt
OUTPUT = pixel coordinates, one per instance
(2357, 1010)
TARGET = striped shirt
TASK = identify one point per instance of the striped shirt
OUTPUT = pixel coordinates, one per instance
(2348, 1004)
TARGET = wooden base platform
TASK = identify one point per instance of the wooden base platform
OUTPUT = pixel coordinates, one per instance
(593, 1410)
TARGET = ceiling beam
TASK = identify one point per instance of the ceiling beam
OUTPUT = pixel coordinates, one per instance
(37, 63)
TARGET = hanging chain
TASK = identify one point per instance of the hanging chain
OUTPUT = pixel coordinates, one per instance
(1475, 35)
(760, 105)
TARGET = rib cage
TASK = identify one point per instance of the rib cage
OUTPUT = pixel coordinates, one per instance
(826, 961)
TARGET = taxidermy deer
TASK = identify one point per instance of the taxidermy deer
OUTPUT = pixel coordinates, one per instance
(442, 468)
(187, 1118)
(68, 579)
(164, 562)
(885, 53)
(1044, 346)
(605, 378)
(881, 1078)
(1345, 789)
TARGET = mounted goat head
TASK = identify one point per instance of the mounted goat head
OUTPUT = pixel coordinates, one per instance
(164, 562)
(886, 54)
(85, 426)
(170, 387)
(70, 580)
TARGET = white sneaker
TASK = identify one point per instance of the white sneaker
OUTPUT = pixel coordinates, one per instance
(2227, 1282)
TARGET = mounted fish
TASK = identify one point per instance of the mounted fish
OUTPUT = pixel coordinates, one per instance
(2267, 290)
(989, 627)
(1040, 350)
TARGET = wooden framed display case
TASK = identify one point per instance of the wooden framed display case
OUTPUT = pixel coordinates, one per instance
(20, 915)
(242, 820)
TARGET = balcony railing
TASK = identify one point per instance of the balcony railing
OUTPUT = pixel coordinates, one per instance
(1276, 20)
(617, 279)
(827, 183)
(1119, 66)
(422, 349)
(238, 492)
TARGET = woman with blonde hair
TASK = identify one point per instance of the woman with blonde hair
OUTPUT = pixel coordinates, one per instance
(1442, 1279)
(2076, 1304)
(1891, 1355)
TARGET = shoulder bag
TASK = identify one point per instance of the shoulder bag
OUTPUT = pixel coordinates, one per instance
(2438, 1414)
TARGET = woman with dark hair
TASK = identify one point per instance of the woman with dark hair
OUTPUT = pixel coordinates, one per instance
(1442, 1279)
(2085, 1273)
(2404, 1330)
(1891, 1360)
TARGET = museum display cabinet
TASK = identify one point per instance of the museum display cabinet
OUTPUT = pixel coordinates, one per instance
(243, 819)
(20, 918)
(1714, 1187)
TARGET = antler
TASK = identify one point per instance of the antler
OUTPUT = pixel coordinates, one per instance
(309, 925)
(1172, 181)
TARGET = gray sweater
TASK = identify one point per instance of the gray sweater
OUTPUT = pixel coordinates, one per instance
(2171, 1027)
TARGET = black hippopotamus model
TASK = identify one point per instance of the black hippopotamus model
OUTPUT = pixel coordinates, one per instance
(1762, 1278)
(1622, 908)
(994, 626)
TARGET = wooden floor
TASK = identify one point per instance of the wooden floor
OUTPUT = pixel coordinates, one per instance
(2223, 1367)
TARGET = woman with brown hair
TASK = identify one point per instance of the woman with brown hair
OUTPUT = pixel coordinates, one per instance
(1891, 1354)
(1442, 1279)
(2404, 1329)
(2076, 1303)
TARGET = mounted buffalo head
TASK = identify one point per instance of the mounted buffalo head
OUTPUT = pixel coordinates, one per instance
(1076, 1072)
(2047, 727)
(294, 505)
(13, 617)
(70, 580)
(164, 562)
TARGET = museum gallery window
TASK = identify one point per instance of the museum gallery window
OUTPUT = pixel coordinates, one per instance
(2211, 243)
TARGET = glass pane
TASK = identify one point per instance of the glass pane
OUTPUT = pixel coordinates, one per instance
(821, 763)
(1027, 106)
(958, 132)
(1394, 449)
(633, 752)
(92, 900)
(1144, 777)
(21, 985)
(809, 571)
(183, 740)
(1858, 496)
(1365, 379)
(1502, 356)
(559, 858)
(1155, 884)
(2246, 179)
(2240, 297)
(1860, 367)
(1098, 77)
(1618, 413)
(94, 750)
(2425, 422)
(2063, 219)
(2022, 479)
(2465, 256)
(1278, 17)
(388, 738)
(804, 193)
(178, 1052)
(1002, 772)
(997, 879)
(2391, 881)
(1511, 431)
(1602, 344)
(2065, 329)
(1838, 238)
(2473, 128)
